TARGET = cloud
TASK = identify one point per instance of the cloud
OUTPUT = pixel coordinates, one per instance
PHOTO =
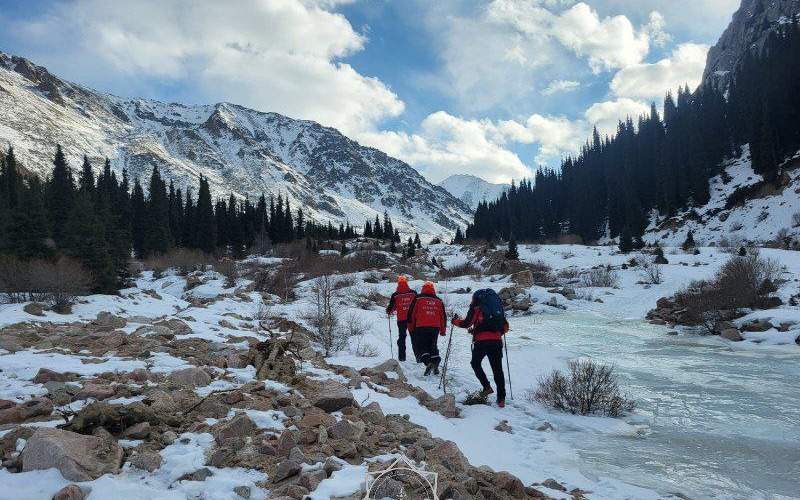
(446, 145)
(558, 86)
(651, 81)
(606, 115)
(277, 55)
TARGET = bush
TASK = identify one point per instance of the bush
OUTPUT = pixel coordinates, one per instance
(227, 268)
(601, 277)
(588, 388)
(744, 282)
(182, 260)
(57, 284)
(281, 281)
(465, 269)
(651, 273)
(324, 318)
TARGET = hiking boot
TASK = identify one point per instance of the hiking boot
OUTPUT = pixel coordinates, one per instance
(436, 369)
(486, 391)
(428, 369)
(401, 357)
(501, 403)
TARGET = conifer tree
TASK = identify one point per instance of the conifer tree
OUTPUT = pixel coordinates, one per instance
(85, 240)
(204, 216)
(138, 219)
(86, 180)
(26, 228)
(60, 191)
(625, 240)
(512, 253)
(417, 241)
(157, 234)
(688, 243)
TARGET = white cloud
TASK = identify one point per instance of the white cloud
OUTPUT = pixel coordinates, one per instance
(275, 55)
(651, 81)
(606, 115)
(558, 86)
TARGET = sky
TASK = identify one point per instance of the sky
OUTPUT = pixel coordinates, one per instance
(493, 88)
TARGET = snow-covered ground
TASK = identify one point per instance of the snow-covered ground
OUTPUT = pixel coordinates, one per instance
(714, 419)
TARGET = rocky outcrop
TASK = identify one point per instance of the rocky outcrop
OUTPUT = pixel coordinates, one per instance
(748, 30)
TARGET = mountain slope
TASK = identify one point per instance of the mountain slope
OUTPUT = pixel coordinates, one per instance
(749, 28)
(471, 189)
(238, 149)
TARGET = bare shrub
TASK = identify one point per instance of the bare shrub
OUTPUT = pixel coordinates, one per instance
(182, 260)
(281, 281)
(651, 273)
(601, 277)
(569, 273)
(588, 388)
(367, 300)
(465, 269)
(325, 319)
(796, 219)
(745, 282)
(58, 283)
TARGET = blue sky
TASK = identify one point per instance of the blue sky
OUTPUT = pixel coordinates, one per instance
(493, 88)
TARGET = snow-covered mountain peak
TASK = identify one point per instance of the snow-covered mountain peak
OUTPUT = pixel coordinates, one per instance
(472, 189)
(240, 151)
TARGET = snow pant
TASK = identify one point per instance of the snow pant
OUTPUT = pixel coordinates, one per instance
(492, 349)
(423, 340)
(402, 328)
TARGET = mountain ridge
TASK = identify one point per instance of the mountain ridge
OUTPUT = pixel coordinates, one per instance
(240, 150)
(472, 189)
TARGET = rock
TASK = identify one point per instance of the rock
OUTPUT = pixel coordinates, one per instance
(77, 457)
(731, 334)
(333, 396)
(503, 426)
(188, 378)
(523, 278)
(448, 454)
(45, 375)
(242, 491)
(26, 410)
(146, 460)
(664, 303)
(315, 420)
(547, 426)
(296, 455)
(760, 325)
(310, 480)
(138, 431)
(34, 309)
(391, 365)
(388, 488)
(286, 442)
(553, 485)
(95, 391)
(509, 483)
(344, 429)
(331, 465)
(445, 405)
(175, 325)
(198, 475)
(240, 426)
(553, 302)
(286, 469)
(70, 492)
(106, 322)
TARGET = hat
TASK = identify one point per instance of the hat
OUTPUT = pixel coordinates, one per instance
(402, 279)
(428, 288)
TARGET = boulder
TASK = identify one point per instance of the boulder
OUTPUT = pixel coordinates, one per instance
(188, 378)
(106, 321)
(759, 325)
(34, 309)
(286, 469)
(504, 426)
(391, 365)
(731, 334)
(523, 278)
(448, 454)
(175, 325)
(148, 461)
(311, 479)
(21, 412)
(77, 457)
(45, 375)
(344, 429)
(445, 405)
(242, 491)
(240, 426)
(70, 492)
(95, 391)
(333, 396)
(138, 431)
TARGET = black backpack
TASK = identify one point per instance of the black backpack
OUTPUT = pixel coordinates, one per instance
(494, 317)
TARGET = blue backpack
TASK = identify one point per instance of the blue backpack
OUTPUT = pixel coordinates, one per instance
(494, 317)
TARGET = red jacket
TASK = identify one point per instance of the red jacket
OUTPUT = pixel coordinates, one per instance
(427, 311)
(401, 301)
(474, 320)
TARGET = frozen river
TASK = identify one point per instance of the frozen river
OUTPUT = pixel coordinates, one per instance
(716, 420)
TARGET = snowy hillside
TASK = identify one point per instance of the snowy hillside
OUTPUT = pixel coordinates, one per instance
(765, 212)
(239, 150)
(471, 189)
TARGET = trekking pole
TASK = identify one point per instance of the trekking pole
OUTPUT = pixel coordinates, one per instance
(391, 347)
(508, 368)
(443, 380)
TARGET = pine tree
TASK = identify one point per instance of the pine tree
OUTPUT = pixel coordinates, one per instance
(688, 243)
(205, 222)
(138, 219)
(86, 180)
(26, 228)
(625, 240)
(11, 181)
(417, 241)
(60, 191)
(512, 253)
(157, 234)
(85, 240)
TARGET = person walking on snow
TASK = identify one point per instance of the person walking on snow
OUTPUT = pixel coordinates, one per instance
(487, 341)
(426, 321)
(399, 303)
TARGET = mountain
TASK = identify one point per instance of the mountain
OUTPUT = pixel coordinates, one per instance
(750, 27)
(471, 189)
(239, 150)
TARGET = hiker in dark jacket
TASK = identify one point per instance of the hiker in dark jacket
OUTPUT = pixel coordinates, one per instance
(486, 342)
(427, 320)
(399, 303)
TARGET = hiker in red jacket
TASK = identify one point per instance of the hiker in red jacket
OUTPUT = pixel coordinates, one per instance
(486, 342)
(426, 321)
(399, 303)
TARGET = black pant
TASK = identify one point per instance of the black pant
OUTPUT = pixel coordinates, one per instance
(402, 327)
(493, 349)
(423, 340)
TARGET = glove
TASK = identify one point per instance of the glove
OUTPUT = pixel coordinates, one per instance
(455, 318)
(442, 334)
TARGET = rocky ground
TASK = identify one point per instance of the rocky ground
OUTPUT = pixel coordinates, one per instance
(268, 415)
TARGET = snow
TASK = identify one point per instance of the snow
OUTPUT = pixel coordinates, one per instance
(472, 190)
